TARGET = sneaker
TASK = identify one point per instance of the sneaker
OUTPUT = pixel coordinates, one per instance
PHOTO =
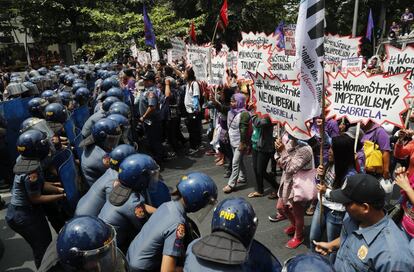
(276, 218)
(294, 243)
(290, 230)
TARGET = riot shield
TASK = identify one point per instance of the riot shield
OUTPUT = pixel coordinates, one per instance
(70, 131)
(76, 143)
(14, 112)
(80, 115)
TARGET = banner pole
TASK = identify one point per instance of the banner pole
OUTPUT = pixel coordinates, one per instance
(322, 135)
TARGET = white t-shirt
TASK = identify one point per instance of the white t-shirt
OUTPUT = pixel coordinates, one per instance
(191, 91)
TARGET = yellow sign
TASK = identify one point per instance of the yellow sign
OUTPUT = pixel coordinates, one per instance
(227, 215)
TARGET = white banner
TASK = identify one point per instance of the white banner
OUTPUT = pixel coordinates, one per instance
(155, 56)
(290, 44)
(282, 65)
(218, 69)
(232, 61)
(259, 39)
(338, 48)
(400, 61)
(353, 65)
(178, 49)
(169, 56)
(198, 56)
(134, 50)
(144, 57)
(361, 98)
(280, 100)
(252, 59)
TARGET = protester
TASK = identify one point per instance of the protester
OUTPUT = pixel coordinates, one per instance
(406, 21)
(407, 192)
(404, 147)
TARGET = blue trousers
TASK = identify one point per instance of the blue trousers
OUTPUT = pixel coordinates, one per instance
(32, 225)
(153, 134)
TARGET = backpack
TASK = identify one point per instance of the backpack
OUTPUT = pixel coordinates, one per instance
(373, 156)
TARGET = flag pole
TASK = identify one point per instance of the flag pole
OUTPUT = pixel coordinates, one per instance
(322, 135)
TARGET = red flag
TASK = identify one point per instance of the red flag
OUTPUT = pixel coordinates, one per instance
(192, 32)
(224, 15)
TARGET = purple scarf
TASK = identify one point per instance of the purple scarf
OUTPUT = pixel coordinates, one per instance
(240, 103)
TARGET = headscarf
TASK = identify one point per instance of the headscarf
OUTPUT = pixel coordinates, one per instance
(240, 103)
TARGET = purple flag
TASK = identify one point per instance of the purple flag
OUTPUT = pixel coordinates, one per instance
(281, 33)
(149, 31)
(370, 26)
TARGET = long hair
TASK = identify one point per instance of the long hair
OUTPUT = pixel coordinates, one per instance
(191, 75)
(343, 150)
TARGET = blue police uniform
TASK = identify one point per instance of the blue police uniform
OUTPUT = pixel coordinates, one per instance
(91, 163)
(127, 219)
(260, 259)
(163, 234)
(27, 219)
(93, 201)
(87, 127)
(380, 247)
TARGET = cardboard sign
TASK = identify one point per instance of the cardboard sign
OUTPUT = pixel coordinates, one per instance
(198, 57)
(218, 70)
(400, 61)
(178, 49)
(280, 100)
(361, 98)
(232, 60)
(353, 65)
(144, 57)
(155, 56)
(134, 50)
(290, 48)
(259, 39)
(253, 59)
(282, 65)
(338, 48)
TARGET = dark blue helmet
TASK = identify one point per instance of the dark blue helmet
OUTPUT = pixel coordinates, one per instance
(120, 119)
(311, 262)
(50, 96)
(62, 77)
(198, 190)
(236, 217)
(106, 104)
(118, 155)
(117, 92)
(79, 81)
(42, 70)
(69, 79)
(109, 83)
(106, 133)
(82, 95)
(56, 112)
(87, 243)
(120, 108)
(36, 106)
(33, 144)
(138, 171)
(76, 86)
(66, 98)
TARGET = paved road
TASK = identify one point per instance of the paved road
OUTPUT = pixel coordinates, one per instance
(18, 256)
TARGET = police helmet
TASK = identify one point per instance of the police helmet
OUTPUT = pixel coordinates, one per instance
(69, 78)
(311, 262)
(82, 95)
(76, 86)
(16, 79)
(137, 171)
(42, 70)
(56, 112)
(109, 83)
(120, 108)
(50, 96)
(33, 90)
(198, 190)
(36, 106)
(87, 243)
(106, 104)
(235, 216)
(79, 81)
(38, 124)
(62, 77)
(65, 97)
(33, 144)
(106, 133)
(119, 154)
(117, 92)
(120, 119)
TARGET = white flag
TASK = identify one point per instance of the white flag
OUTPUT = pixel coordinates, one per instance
(309, 38)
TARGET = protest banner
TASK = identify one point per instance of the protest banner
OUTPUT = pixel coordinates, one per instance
(290, 45)
(218, 70)
(278, 99)
(400, 61)
(254, 59)
(282, 65)
(232, 60)
(134, 50)
(155, 56)
(353, 65)
(178, 49)
(259, 39)
(341, 47)
(144, 57)
(169, 56)
(198, 57)
(361, 97)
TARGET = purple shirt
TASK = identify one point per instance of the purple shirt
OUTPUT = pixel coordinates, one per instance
(377, 134)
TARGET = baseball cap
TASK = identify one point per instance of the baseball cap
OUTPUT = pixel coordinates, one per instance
(360, 188)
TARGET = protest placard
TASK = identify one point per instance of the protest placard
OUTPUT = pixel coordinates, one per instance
(341, 47)
(399, 61)
(144, 57)
(178, 49)
(259, 39)
(282, 65)
(353, 65)
(361, 98)
(169, 56)
(290, 48)
(134, 50)
(218, 69)
(254, 59)
(232, 60)
(198, 57)
(278, 99)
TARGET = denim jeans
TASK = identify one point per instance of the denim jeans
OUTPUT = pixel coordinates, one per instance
(331, 222)
(32, 225)
(238, 172)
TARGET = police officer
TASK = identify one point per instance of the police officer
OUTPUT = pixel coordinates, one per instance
(309, 262)
(126, 208)
(160, 245)
(231, 246)
(125, 127)
(50, 96)
(105, 137)
(36, 106)
(93, 201)
(85, 243)
(25, 214)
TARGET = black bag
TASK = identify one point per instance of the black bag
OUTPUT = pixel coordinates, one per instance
(396, 213)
